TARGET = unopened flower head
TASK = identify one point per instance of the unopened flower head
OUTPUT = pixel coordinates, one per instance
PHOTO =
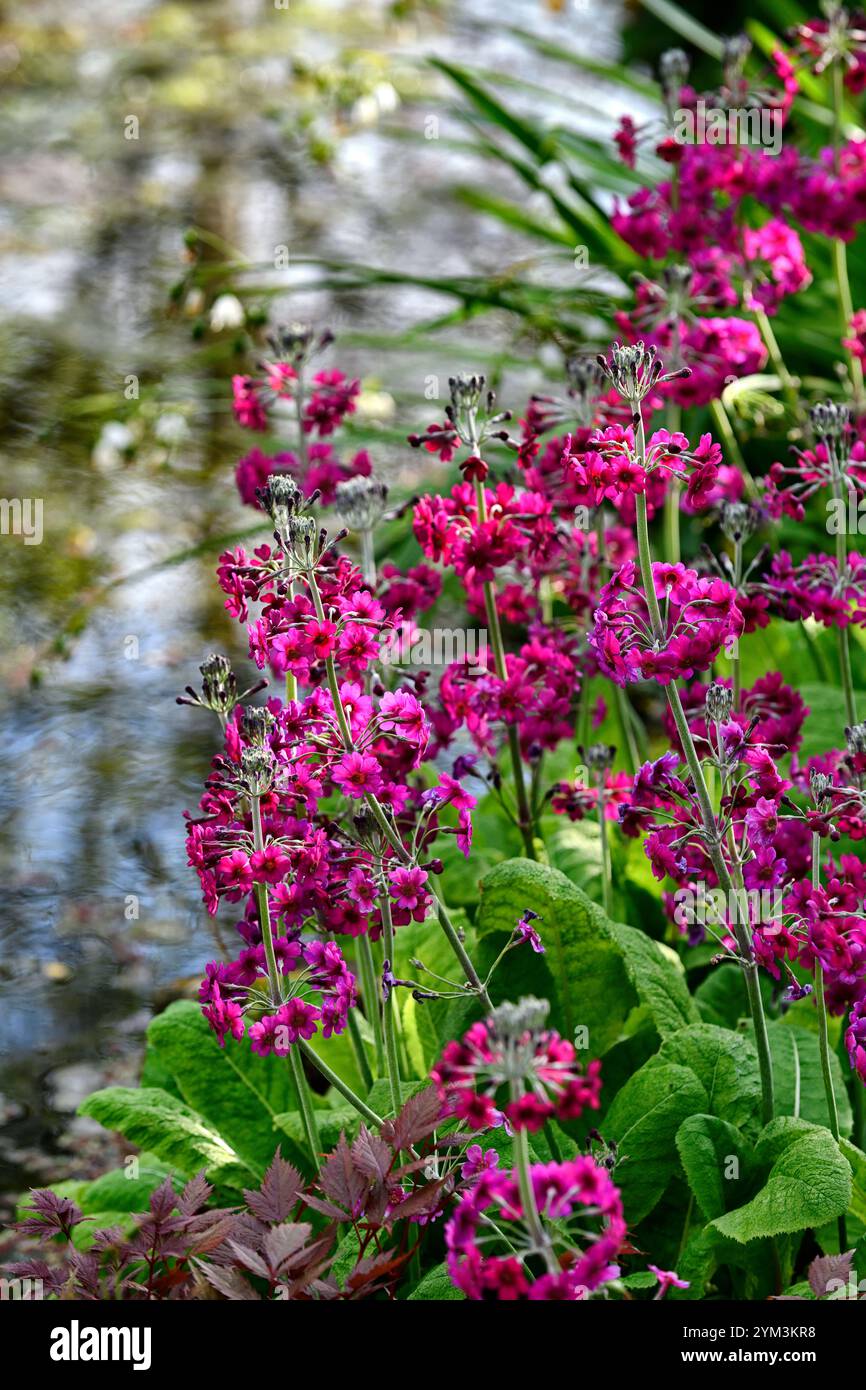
(830, 420)
(296, 342)
(257, 770)
(598, 756)
(361, 502)
(585, 386)
(735, 52)
(739, 520)
(634, 370)
(281, 498)
(219, 686)
(855, 738)
(820, 786)
(674, 71)
(257, 723)
(466, 390)
(720, 703)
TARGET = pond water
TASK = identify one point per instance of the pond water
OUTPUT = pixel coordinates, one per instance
(264, 126)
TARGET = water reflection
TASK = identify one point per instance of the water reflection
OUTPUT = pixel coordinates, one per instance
(263, 126)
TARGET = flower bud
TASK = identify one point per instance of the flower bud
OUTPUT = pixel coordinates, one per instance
(719, 703)
(361, 502)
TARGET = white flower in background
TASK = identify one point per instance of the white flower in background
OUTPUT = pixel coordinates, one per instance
(386, 98)
(227, 312)
(113, 444)
(171, 428)
(375, 405)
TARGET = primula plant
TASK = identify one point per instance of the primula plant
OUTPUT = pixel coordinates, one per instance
(544, 972)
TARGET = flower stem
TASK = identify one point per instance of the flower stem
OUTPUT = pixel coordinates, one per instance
(524, 813)
(262, 901)
(359, 1050)
(841, 572)
(840, 250)
(539, 1236)
(388, 1007)
(711, 830)
(606, 887)
(824, 1037)
(340, 1085)
(305, 1104)
(370, 995)
(732, 446)
(789, 385)
(672, 500)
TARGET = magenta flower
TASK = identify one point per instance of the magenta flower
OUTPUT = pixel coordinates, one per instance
(357, 775)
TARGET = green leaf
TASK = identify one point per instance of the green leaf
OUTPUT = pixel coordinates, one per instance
(857, 1160)
(164, 1125)
(808, 1183)
(798, 1079)
(436, 1287)
(644, 1120)
(595, 972)
(656, 972)
(236, 1092)
(725, 1063)
(119, 1190)
(706, 1144)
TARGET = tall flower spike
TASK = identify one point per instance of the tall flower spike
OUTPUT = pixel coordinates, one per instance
(674, 71)
(635, 370)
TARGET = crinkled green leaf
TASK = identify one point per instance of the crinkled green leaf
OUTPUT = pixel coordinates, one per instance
(155, 1121)
(238, 1093)
(725, 1063)
(711, 1152)
(644, 1120)
(808, 1182)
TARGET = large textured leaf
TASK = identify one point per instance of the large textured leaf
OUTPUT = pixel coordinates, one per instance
(725, 1063)
(808, 1183)
(594, 972)
(644, 1120)
(656, 973)
(711, 1152)
(235, 1091)
(799, 1081)
(164, 1125)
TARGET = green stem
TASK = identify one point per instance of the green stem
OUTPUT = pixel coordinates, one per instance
(370, 996)
(262, 902)
(606, 887)
(359, 1050)
(789, 385)
(340, 1085)
(841, 570)
(711, 832)
(824, 1038)
(524, 813)
(538, 1235)
(732, 447)
(673, 418)
(840, 250)
(388, 1008)
(305, 1103)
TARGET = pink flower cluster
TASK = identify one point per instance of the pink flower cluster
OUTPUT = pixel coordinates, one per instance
(699, 618)
(577, 1191)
